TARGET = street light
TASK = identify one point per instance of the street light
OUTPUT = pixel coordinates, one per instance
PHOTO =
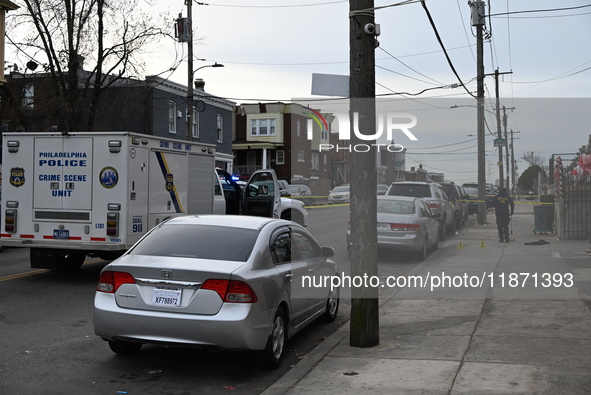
(190, 97)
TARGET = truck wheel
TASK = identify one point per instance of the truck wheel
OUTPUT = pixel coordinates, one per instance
(54, 259)
(71, 261)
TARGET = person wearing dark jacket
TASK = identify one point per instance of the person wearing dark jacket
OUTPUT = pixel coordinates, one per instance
(504, 207)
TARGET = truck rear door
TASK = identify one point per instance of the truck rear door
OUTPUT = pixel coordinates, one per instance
(63, 173)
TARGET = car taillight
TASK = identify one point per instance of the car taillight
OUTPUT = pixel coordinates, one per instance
(111, 281)
(112, 224)
(10, 220)
(405, 227)
(231, 291)
(433, 204)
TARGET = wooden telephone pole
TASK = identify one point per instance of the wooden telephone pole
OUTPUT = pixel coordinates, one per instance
(364, 299)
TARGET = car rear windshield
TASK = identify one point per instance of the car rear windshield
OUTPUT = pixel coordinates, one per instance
(421, 191)
(341, 189)
(395, 207)
(199, 241)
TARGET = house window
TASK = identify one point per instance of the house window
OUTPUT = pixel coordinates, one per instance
(220, 128)
(315, 160)
(262, 127)
(325, 162)
(301, 157)
(298, 127)
(29, 96)
(280, 157)
(171, 117)
(195, 124)
(324, 134)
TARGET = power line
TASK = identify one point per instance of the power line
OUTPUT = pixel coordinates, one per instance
(407, 66)
(273, 6)
(443, 48)
(546, 10)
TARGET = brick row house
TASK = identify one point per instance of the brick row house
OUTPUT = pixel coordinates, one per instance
(276, 136)
(154, 106)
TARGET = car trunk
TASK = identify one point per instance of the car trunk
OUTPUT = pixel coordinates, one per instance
(172, 285)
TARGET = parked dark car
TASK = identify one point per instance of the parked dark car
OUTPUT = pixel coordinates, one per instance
(472, 194)
(458, 197)
(490, 194)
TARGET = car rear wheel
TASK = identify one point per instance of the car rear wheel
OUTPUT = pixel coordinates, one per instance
(451, 230)
(459, 220)
(332, 307)
(274, 350)
(436, 245)
(422, 253)
(124, 348)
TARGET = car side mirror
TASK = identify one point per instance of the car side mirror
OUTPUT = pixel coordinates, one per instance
(436, 215)
(327, 252)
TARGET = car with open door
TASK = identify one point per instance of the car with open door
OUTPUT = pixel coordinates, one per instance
(262, 197)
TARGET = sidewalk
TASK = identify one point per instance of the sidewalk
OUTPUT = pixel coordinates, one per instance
(519, 336)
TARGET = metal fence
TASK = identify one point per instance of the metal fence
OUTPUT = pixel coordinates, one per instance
(575, 207)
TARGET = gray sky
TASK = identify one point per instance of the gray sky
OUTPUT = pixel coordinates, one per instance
(270, 49)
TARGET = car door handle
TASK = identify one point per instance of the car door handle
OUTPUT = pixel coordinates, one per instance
(289, 275)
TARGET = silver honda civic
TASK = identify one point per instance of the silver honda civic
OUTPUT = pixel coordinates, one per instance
(220, 282)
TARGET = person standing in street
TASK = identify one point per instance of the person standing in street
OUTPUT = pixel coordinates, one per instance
(504, 208)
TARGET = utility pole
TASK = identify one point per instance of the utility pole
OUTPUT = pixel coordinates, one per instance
(364, 325)
(499, 133)
(513, 174)
(190, 72)
(507, 142)
(478, 20)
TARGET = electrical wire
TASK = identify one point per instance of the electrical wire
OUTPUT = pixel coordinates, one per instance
(546, 10)
(466, 31)
(272, 6)
(407, 66)
(443, 48)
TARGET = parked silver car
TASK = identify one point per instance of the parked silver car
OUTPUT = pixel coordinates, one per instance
(219, 282)
(435, 197)
(407, 224)
(339, 195)
(303, 193)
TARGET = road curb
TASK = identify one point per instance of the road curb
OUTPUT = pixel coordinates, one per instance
(299, 371)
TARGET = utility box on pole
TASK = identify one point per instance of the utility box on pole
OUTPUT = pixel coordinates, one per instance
(183, 30)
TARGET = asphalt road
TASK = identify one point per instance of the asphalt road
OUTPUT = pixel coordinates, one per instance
(49, 345)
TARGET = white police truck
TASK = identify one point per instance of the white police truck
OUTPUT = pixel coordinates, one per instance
(68, 196)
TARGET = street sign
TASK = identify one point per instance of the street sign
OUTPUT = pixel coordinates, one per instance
(500, 142)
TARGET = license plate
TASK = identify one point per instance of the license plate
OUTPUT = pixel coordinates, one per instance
(61, 234)
(382, 226)
(168, 296)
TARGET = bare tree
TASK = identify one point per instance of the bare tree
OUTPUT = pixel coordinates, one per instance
(104, 35)
(534, 159)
